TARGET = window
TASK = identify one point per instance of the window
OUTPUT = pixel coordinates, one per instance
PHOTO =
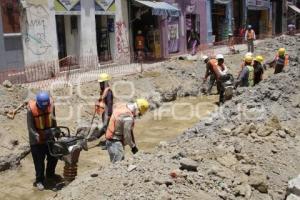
(10, 16)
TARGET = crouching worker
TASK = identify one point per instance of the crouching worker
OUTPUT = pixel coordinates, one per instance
(120, 128)
(40, 119)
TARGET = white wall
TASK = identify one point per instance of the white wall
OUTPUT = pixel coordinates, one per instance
(88, 42)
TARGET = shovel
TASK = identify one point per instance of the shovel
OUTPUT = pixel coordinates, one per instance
(12, 114)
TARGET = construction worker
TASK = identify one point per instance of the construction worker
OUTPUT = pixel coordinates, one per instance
(209, 73)
(40, 120)
(140, 44)
(120, 129)
(281, 60)
(243, 62)
(231, 44)
(258, 69)
(221, 75)
(104, 105)
(250, 37)
(246, 77)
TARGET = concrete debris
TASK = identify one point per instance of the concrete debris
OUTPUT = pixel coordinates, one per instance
(7, 84)
(294, 186)
(293, 197)
(131, 168)
(188, 164)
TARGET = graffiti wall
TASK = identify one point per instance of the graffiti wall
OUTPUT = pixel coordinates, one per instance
(36, 25)
(122, 50)
(38, 32)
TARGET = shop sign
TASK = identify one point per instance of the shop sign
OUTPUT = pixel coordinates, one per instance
(259, 3)
(222, 1)
(105, 4)
(68, 4)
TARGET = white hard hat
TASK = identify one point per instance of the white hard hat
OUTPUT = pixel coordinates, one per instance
(219, 56)
(248, 54)
(204, 57)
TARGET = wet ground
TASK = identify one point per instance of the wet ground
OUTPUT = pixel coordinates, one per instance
(163, 124)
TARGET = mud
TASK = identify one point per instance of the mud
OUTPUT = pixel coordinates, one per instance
(17, 183)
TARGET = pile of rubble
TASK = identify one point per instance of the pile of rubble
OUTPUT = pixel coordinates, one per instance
(249, 149)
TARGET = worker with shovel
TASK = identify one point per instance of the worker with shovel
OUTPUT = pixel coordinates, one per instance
(104, 106)
(40, 120)
(120, 129)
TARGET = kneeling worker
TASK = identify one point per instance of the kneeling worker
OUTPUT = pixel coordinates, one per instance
(120, 128)
(40, 119)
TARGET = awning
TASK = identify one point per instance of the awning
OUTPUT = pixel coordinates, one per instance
(161, 8)
(295, 8)
(222, 1)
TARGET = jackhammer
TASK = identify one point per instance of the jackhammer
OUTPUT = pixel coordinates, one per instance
(67, 148)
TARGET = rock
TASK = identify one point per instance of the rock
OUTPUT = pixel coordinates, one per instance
(162, 181)
(289, 132)
(274, 123)
(7, 84)
(294, 186)
(282, 134)
(131, 168)
(292, 197)
(275, 95)
(237, 148)
(259, 182)
(94, 175)
(227, 160)
(243, 190)
(188, 164)
(264, 131)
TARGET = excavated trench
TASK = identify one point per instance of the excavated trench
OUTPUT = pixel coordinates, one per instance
(162, 124)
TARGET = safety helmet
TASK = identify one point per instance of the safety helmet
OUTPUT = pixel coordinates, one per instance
(42, 100)
(248, 59)
(219, 56)
(104, 77)
(259, 59)
(230, 34)
(143, 105)
(248, 54)
(139, 32)
(281, 51)
(205, 58)
(249, 26)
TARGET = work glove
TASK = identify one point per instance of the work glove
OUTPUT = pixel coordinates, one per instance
(134, 150)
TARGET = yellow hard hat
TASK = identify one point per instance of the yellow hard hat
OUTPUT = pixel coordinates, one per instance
(104, 77)
(259, 59)
(143, 105)
(281, 51)
(248, 59)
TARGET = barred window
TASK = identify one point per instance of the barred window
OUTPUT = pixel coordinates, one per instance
(10, 12)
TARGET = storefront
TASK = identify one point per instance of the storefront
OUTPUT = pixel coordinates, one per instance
(156, 26)
(222, 19)
(105, 29)
(259, 15)
(69, 19)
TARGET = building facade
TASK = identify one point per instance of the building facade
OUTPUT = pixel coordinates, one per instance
(11, 50)
(93, 31)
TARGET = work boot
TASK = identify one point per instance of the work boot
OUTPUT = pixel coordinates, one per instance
(54, 177)
(39, 186)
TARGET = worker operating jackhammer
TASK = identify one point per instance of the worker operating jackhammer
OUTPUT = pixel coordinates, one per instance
(120, 129)
(103, 107)
(40, 120)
